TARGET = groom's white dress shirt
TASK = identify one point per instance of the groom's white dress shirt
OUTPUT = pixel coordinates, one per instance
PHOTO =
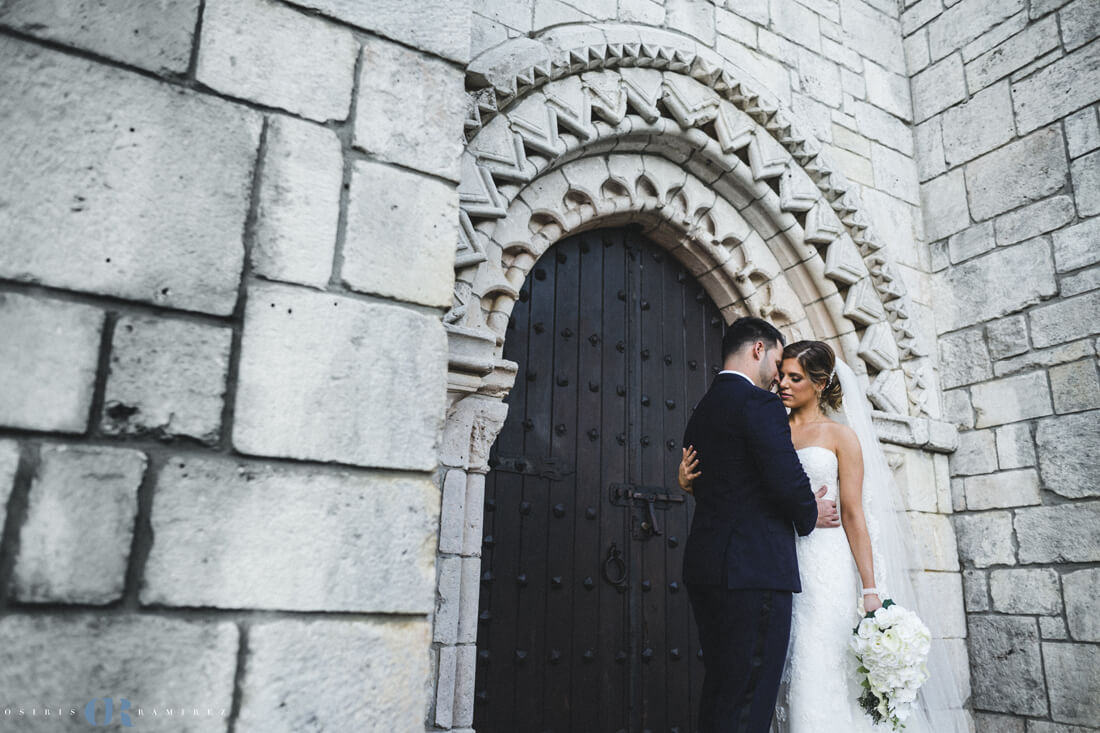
(733, 371)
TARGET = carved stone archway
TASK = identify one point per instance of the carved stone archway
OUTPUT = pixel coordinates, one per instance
(620, 124)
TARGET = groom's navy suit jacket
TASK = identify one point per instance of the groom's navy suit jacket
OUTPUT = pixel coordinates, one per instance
(752, 495)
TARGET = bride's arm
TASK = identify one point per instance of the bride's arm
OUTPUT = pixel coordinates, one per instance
(687, 473)
(850, 477)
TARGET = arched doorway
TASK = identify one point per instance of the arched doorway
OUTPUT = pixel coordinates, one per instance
(584, 623)
(631, 125)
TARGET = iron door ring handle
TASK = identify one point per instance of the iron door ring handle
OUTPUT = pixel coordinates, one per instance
(614, 557)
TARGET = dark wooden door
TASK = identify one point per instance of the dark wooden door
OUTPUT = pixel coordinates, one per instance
(585, 626)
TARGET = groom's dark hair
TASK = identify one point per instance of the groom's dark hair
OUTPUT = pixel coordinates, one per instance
(749, 330)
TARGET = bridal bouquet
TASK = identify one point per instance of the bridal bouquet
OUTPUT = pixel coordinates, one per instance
(892, 647)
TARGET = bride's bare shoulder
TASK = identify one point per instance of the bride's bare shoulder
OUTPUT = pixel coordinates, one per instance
(842, 436)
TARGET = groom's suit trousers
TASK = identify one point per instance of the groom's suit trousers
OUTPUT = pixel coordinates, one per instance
(744, 635)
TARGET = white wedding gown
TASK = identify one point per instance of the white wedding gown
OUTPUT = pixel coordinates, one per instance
(820, 690)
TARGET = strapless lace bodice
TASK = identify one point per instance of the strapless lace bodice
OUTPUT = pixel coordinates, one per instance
(820, 465)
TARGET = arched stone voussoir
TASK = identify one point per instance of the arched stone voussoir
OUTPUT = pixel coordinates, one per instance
(603, 92)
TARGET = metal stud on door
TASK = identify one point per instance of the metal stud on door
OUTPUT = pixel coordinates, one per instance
(583, 627)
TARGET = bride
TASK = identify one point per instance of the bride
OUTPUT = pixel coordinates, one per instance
(838, 570)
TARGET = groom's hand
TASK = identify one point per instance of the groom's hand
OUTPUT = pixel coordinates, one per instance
(826, 510)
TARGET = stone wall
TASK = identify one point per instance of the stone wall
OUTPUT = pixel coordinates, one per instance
(228, 232)
(1008, 149)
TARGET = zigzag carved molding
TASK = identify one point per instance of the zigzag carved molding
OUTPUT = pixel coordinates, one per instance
(675, 104)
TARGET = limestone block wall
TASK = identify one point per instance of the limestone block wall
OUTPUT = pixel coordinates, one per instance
(1008, 148)
(227, 232)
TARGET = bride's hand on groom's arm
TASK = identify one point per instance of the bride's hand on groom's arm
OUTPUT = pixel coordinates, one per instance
(826, 511)
(688, 465)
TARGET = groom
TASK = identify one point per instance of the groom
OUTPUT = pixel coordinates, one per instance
(740, 566)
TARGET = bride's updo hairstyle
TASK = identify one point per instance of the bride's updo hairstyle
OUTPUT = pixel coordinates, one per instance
(819, 363)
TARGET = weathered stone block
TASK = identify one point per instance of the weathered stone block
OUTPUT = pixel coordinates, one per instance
(438, 26)
(918, 14)
(453, 512)
(299, 203)
(1082, 132)
(957, 408)
(794, 21)
(917, 55)
(1042, 358)
(1007, 663)
(1079, 245)
(154, 37)
(111, 189)
(943, 592)
(648, 12)
(291, 538)
(880, 125)
(916, 478)
(1025, 591)
(401, 234)
(9, 465)
(166, 379)
(971, 242)
(367, 675)
(930, 141)
(1066, 320)
(48, 360)
(1052, 627)
(935, 540)
(757, 12)
(975, 454)
(1075, 386)
(876, 35)
(938, 87)
(966, 21)
(1068, 447)
(75, 543)
(1063, 533)
(319, 380)
(888, 90)
(1073, 678)
(819, 78)
(1086, 192)
(895, 173)
(1034, 219)
(1015, 448)
(990, 723)
(409, 109)
(152, 662)
(448, 596)
(1004, 489)
(994, 37)
(1053, 92)
(1014, 53)
(971, 292)
(1080, 23)
(1007, 337)
(1011, 399)
(985, 539)
(1080, 282)
(963, 358)
(694, 19)
(976, 127)
(1082, 588)
(975, 590)
(274, 55)
(944, 205)
(1019, 173)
